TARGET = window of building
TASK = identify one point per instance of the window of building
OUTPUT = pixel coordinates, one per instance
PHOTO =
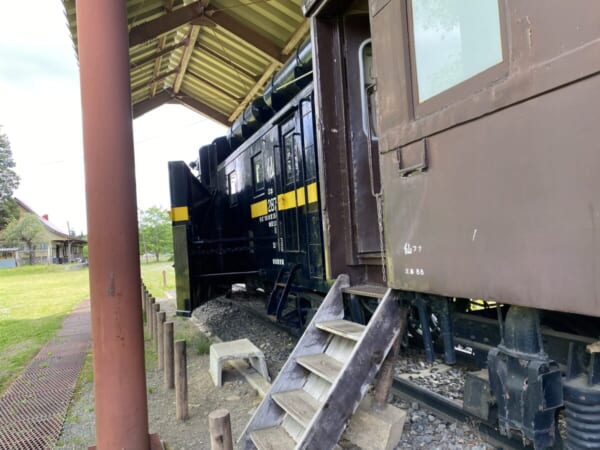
(258, 172)
(453, 41)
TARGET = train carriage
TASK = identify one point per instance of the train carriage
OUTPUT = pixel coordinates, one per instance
(445, 150)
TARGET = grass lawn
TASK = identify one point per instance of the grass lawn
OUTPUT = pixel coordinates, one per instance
(152, 274)
(35, 300)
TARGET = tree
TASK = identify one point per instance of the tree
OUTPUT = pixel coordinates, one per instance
(9, 181)
(26, 230)
(156, 234)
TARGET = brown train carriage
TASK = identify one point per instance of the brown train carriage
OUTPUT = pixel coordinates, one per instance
(482, 119)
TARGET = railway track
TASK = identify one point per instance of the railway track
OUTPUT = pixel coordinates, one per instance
(475, 333)
(442, 407)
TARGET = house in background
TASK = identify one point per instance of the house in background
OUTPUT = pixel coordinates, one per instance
(52, 246)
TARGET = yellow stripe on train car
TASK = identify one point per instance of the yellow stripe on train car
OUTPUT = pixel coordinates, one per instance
(258, 209)
(179, 214)
(301, 196)
(313, 194)
(286, 201)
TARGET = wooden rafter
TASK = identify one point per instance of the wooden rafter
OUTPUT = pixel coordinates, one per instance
(186, 56)
(156, 55)
(161, 45)
(202, 108)
(165, 23)
(195, 11)
(250, 96)
(149, 104)
(287, 49)
(213, 86)
(264, 45)
(156, 79)
(241, 70)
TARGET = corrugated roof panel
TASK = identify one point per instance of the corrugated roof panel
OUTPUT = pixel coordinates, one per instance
(235, 43)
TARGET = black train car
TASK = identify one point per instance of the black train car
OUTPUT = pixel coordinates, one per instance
(254, 208)
(456, 160)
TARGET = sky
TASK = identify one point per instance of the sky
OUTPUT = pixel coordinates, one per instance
(40, 112)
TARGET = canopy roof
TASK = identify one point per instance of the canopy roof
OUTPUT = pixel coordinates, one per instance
(214, 56)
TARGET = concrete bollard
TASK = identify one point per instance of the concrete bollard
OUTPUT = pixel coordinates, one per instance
(181, 392)
(219, 425)
(168, 355)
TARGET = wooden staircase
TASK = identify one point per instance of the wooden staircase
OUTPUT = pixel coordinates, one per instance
(325, 377)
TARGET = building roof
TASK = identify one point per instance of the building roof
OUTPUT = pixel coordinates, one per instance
(214, 56)
(52, 228)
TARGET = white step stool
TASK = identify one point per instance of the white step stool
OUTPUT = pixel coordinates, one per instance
(240, 349)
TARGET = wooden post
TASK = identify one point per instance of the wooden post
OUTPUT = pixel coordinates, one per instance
(181, 394)
(161, 349)
(386, 372)
(143, 299)
(150, 320)
(155, 325)
(168, 355)
(219, 425)
(164, 273)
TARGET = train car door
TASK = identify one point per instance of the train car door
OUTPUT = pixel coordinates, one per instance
(291, 180)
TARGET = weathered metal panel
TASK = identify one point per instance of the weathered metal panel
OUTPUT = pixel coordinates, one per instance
(509, 208)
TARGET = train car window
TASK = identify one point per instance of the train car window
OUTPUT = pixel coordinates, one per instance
(258, 172)
(232, 189)
(292, 175)
(453, 41)
(367, 89)
(309, 143)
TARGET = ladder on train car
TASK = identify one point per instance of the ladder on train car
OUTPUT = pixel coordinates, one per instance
(325, 378)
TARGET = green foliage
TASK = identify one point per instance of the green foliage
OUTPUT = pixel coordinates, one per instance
(156, 234)
(26, 230)
(200, 343)
(9, 181)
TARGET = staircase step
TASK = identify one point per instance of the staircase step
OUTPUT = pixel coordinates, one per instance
(274, 438)
(299, 404)
(366, 290)
(343, 328)
(322, 365)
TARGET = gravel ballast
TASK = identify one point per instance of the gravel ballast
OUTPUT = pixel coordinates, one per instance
(224, 319)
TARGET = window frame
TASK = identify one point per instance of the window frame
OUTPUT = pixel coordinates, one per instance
(464, 89)
(258, 155)
(233, 196)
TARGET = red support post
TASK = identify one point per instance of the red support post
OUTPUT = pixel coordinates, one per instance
(118, 343)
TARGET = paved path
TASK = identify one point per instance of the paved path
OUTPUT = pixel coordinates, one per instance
(33, 409)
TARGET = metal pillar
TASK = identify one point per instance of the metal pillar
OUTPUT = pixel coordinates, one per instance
(118, 346)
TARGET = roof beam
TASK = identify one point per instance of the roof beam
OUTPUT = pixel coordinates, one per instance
(246, 34)
(157, 54)
(252, 93)
(213, 86)
(136, 86)
(228, 62)
(165, 23)
(162, 41)
(186, 56)
(291, 44)
(202, 108)
(295, 39)
(151, 103)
